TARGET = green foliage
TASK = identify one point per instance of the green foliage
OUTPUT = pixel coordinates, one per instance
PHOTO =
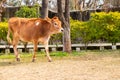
(103, 27)
(3, 30)
(56, 39)
(77, 30)
(108, 25)
(27, 12)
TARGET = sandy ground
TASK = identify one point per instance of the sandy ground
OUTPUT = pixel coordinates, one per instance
(107, 68)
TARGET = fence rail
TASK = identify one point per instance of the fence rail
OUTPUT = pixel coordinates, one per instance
(77, 47)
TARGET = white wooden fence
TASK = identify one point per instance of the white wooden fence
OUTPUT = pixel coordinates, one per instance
(77, 47)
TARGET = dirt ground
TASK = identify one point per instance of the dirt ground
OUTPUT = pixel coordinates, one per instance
(107, 68)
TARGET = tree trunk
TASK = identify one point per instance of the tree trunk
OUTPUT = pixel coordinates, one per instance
(1, 9)
(44, 10)
(65, 24)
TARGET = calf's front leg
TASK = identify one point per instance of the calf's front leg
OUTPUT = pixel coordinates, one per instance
(47, 52)
(35, 50)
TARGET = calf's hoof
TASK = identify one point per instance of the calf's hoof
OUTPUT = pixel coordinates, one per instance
(18, 59)
(50, 60)
(33, 60)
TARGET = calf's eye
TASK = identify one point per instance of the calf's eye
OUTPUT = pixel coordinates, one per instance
(55, 24)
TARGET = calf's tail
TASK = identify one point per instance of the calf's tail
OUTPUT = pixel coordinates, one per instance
(8, 36)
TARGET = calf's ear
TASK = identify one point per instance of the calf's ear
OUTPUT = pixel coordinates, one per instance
(55, 17)
(47, 18)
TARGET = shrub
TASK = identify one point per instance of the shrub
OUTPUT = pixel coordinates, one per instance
(107, 26)
(102, 27)
(77, 29)
(56, 39)
(27, 12)
(3, 30)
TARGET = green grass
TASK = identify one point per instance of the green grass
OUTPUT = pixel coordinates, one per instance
(6, 56)
(9, 59)
(60, 54)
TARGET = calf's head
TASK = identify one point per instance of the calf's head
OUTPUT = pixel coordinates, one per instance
(56, 25)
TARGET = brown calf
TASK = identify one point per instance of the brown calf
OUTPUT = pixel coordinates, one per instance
(33, 30)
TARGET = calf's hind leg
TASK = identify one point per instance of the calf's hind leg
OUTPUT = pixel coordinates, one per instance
(14, 43)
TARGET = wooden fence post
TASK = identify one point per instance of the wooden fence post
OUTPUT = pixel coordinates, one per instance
(114, 47)
(54, 49)
(7, 51)
(30, 50)
(101, 48)
(77, 49)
